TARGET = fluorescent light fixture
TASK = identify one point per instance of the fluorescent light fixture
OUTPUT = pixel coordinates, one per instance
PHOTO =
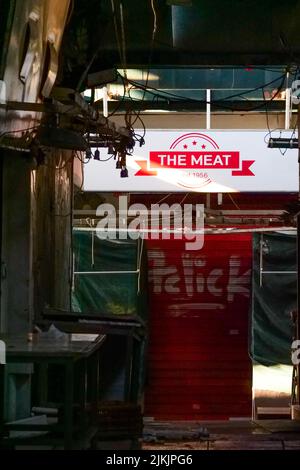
(283, 143)
(156, 111)
(139, 74)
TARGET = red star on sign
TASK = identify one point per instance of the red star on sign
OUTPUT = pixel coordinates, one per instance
(185, 146)
(203, 146)
(194, 143)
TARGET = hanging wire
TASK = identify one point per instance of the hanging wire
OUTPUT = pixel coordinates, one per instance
(221, 103)
(233, 202)
(154, 30)
(123, 49)
(269, 133)
(116, 29)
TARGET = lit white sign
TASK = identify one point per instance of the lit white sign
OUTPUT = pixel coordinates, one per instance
(199, 161)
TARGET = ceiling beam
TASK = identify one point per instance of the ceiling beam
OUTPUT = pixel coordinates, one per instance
(186, 105)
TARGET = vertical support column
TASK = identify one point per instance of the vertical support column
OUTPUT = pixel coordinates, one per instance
(16, 303)
(298, 268)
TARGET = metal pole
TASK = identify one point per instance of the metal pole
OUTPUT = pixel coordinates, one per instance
(287, 104)
(208, 108)
(261, 260)
(298, 268)
(105, 102)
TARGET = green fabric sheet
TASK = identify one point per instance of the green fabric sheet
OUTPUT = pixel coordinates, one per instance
(272, 303)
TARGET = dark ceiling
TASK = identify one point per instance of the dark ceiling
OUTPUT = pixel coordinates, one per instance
(210, 32)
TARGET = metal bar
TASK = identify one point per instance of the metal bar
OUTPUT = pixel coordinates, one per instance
(260, 259)
(107, 272)
(93, 323)
(248, 230)
(287, 102)
(279, 272)
(228, 230)
(287, 117)
(105, 102)
(269, 212)
(150, 230)
(73, 272)
(208, 109)
(137, 254)
(298, 266)
(147, 106)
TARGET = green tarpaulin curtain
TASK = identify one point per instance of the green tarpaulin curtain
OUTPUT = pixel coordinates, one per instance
(273, 301)
(97, 290)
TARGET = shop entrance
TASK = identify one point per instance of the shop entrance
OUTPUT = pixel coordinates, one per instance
(198, 361)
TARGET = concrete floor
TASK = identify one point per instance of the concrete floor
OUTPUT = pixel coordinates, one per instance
(236, 435)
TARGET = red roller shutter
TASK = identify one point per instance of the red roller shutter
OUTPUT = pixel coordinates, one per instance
(198, 363)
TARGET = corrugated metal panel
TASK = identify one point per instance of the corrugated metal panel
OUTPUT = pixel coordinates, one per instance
(198, 363)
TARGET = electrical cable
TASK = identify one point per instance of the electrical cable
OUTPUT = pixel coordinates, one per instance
(233, 201)
(123, 41)
(19, 130)
(180, 97)
(154, 30)
(163, 199)
(283, 152)
(116, 29)
(105, 159)
(283, 76)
